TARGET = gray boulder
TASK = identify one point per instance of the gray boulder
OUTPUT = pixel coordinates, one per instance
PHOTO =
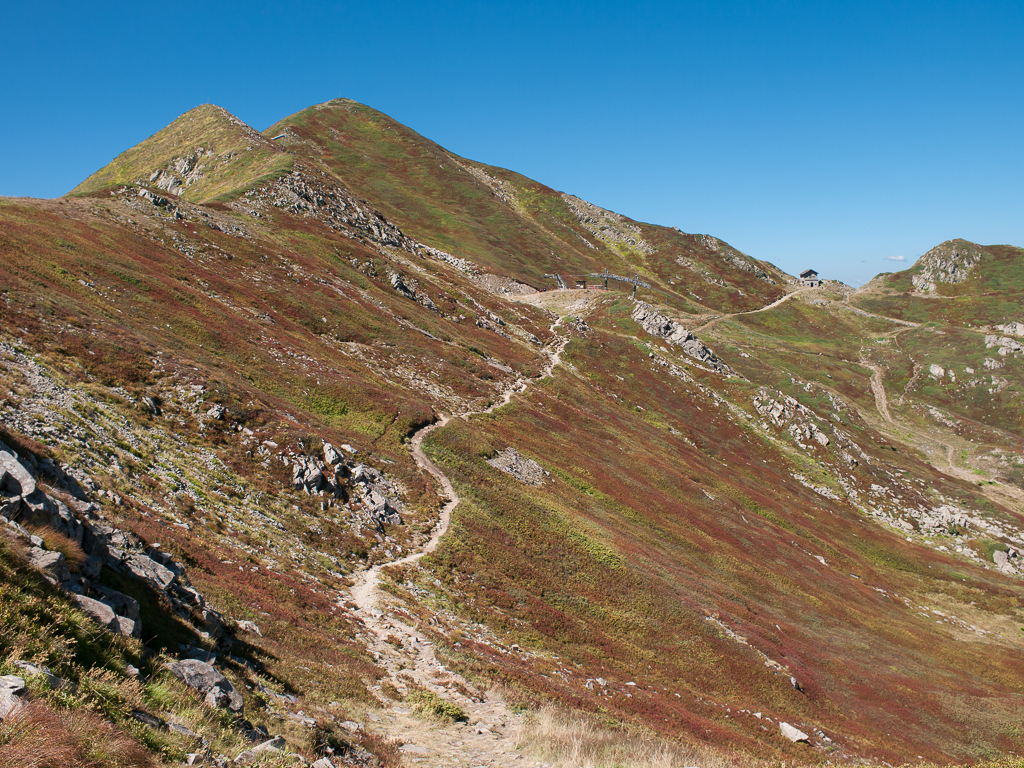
(14, 478)
(122, 604)
(99, 612)
(793, 733)
(217, 689)
(13, 693)
(32, 670)
(64, 521)
(52, 564)
(104, 615)
(149, 570)
(331, 456)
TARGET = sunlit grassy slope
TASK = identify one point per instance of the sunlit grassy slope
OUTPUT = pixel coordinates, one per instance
(226, 157)
(507, 222)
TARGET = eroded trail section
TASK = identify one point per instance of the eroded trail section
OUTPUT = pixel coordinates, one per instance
(488, 735)
(878, 389)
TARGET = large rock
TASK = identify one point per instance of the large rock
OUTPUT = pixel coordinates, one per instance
(50, 563)
(331, 456)
(99, 612)
(13, 692)
(64, 521)
(217, 689)
(793, 733)
(120, 602)
(149, 570)
(13, 476)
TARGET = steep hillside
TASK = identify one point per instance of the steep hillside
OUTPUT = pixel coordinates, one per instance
(206, 154)
(511, 224)
(294, 425)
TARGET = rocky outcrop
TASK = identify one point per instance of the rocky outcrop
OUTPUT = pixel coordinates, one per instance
(312, 193)
(1014, 329)
(77, 518)
(217, 690)
(525, 471)
(1004, 345)
(612, 228)
(372, 497)
(945, 264)
(181, 172)
(804, 425)
(663, 327)
(410, 288)
(735, 258)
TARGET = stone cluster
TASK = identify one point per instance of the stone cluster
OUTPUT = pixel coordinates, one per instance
(338, 476)
(24, 505)
(524, 470)
(661, 326)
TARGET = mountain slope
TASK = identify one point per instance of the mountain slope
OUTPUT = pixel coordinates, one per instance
(502, 220)
(206, 154)
(701, 537)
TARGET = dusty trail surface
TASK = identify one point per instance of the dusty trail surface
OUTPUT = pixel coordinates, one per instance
(488, 737)
(765, 308)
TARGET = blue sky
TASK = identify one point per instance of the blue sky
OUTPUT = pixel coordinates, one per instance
(833, 135)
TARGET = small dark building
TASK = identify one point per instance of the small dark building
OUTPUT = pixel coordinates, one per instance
(809, 278)
(581, 283)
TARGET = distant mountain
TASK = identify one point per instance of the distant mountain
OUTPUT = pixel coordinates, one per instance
(305, 422)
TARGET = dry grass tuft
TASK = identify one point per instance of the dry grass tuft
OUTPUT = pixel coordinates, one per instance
(572, 741)
(41, 737)
(54, 541)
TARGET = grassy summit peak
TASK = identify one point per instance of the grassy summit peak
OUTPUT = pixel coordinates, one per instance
(206, 154)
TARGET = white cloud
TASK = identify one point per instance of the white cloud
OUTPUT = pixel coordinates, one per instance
(896, 258)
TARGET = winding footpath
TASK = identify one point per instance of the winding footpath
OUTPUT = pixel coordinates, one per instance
(765, 308)
(489, 736)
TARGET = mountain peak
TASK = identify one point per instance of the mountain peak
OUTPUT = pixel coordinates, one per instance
(205, 154)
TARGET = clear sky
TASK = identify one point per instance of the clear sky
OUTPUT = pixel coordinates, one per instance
(846, 136)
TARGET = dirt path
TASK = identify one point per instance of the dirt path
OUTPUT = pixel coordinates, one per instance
(1001, 493)
(489, 735)
(878, 389)
(774, 304)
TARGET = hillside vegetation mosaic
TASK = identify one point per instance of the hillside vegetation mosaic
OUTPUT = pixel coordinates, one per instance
(326, 446)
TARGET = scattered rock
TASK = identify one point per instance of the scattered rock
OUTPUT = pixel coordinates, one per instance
(218, 690)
